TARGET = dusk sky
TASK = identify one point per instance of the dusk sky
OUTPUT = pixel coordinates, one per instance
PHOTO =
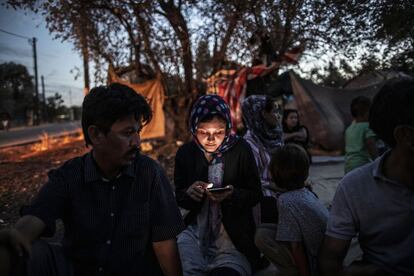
(55, 59)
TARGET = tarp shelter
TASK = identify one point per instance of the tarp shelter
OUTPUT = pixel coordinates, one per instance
(325, 111)
(153, 91)
(372, 78)
(271, 87)
(231, 86)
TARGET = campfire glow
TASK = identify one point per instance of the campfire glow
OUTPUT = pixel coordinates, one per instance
(47, 142)
(43, 144)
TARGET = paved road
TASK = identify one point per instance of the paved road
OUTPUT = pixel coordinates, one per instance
(31, 134)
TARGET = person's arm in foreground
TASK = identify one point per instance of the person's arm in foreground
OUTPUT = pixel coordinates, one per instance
(167, 223)
(168, 257)
(332, 255)
(301, 260)
(18, 240)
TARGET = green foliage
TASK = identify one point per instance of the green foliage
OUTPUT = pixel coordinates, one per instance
(331, 76)
(388, 24)
(17, 95)
(55, 107)
(16, 91)
(202, 61)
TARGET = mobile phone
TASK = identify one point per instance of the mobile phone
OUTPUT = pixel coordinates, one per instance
(219, 190)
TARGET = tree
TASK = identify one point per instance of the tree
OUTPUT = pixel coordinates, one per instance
(332, 75)
(203, 58)
(386, 24)
(166, 33)
(16, 91)
(55, 107)
(183, 41)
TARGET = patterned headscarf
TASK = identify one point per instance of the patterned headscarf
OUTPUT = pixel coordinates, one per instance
(212, 105)
(252, 108)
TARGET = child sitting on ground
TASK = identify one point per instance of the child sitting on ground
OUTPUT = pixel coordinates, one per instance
(360, 140)
(293, 244)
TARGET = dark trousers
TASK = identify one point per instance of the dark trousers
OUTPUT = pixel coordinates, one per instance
(46, 260)
(268, 207)
(277, 252)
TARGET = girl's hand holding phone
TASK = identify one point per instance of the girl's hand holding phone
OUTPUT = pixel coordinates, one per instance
(219, 194)
(196, 190)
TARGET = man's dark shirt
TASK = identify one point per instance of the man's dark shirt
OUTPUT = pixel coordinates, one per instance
(109, 224)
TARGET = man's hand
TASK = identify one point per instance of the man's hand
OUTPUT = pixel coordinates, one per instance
(18, 240)
(219, 197)
(196, 190)
(15, 241)
(12, 244)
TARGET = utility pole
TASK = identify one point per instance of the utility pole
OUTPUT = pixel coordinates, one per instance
(32, 41)
(44, 111)
(71, 111)
(70, 97)
(36, 100)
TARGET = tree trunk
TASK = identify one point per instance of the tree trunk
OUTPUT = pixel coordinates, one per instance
(178, 23)
(85, 56)
(83, 39)
(220, 55)
(145, 38)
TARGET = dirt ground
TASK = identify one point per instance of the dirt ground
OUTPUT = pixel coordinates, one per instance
(23, 170)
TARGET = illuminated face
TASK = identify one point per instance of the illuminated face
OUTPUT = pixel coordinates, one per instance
(211, 134)
(292, 120)
(122, 142)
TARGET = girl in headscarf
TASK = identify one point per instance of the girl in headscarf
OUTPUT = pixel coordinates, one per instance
(264, 135)
(219, 238)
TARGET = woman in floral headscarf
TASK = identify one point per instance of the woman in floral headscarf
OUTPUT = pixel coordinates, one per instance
(264, 135)
(219, 238)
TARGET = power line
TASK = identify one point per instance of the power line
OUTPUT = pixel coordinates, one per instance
(32, 41)
(17, 35)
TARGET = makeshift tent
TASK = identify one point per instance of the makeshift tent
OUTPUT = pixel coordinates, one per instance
(232, 85)
(325, 111)
(270, 87)
(372, 78)
(153, 91)
(232, 88)
(220, 76)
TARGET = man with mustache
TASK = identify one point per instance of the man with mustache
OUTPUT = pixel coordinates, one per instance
(117, 205)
